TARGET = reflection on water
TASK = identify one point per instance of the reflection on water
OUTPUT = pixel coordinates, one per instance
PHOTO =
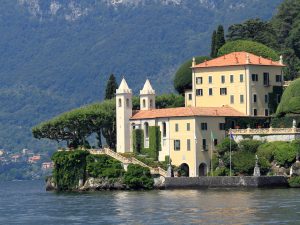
(28, 203)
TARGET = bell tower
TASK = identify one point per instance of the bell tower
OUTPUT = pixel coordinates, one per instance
(147, 97)
(123, 114)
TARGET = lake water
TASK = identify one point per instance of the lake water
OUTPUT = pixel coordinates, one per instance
(26, 202)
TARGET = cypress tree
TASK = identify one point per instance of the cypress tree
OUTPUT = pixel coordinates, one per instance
(111, 87)
(220, 38)
(213, 52)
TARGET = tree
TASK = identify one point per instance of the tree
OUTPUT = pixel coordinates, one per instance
(183, 76)
(111, 87)
(213, 52)
(248, 46)
(138, 177)
(224, 146)
(220, 38)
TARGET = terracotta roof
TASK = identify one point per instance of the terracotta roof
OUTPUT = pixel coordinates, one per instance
(237, 59)
(186, 112)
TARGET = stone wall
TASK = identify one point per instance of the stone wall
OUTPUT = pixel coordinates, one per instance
(207, 182)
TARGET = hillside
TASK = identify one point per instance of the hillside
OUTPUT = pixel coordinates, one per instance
(57, 54)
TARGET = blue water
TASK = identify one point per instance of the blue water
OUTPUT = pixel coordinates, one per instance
(26, 202)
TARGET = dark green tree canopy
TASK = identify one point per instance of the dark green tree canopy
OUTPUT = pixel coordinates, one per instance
(213, 50)
(183, 76)
(290, 101)
(111, 87)
(248, 46)
(220, 38)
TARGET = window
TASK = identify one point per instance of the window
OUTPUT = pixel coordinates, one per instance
(231, 99)
(210, 79)
(278, 78)
(231, 78)
(210, 91)
(222, 79)
(266, 79)
(222, 126)
(266, 98)
(146, 129)
(176, 145)
(254, 77)
(215, 142)
(204, 146)
(266, 112)
(203, 126)
(254, 98)
(241, 78)
(120, 102)
(144, 103)
(188, 144)
(198, 80)
(190, 97)
(254, 112)
(164, 129)
(241, 99)
(151, 103)
(199, 92)
(127, 103)
(188, 126)
(223, 91)
(176, 127)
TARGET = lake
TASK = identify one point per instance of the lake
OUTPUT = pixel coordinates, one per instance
(26, 202)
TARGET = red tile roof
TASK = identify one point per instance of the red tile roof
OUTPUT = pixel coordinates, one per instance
(238, 59)
(186, 112)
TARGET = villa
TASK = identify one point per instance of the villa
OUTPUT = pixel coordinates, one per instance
(231, 91)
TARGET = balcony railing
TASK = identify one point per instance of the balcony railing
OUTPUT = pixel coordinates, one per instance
(270, 130)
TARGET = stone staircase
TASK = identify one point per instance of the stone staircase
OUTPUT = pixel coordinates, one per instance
(125, 160)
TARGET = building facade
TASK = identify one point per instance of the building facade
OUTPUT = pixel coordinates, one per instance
(237, 85)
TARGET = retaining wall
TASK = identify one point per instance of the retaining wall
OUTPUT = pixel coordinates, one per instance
(207, 182)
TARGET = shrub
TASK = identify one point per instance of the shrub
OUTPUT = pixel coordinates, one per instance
(138, 177)
(248, 46)
(243, 162)
(266, 151)
(221, 172)
(224, 146)
(294, 181)
(250, 145)
(284, 154)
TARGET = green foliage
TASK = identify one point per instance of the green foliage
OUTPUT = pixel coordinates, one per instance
(248, 46)
(220, 39)
(69, 168)
(102, 166)
(250, 145)
(213, 51)
(183, 76)
(294, 181)
(285, 122)
(154, 142)
(138, 177)
(169, 101)
(273, 97)
(243, 162)
(137, 140)
(253, 30)
(224, 146)
(266, 151)
(222, 172)
(290, 101)
(111, 87)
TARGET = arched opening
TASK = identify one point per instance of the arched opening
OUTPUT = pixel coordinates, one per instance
(144, 103)
(164, 126)
(146, 129)
(151, 103)
(202, 170)
(184, 170)
(120, 102)
(127, 102)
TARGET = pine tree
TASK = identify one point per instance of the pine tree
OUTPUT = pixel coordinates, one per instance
(220, 38)
(213, 52)
(111, 87)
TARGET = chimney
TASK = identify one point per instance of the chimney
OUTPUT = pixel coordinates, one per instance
(247, 58)
(281, 60)
(259, 60)
(194, 62)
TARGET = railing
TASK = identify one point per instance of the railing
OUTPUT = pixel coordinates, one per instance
(266, 131)
(132, 160)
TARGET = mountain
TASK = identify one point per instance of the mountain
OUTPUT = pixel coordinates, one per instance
(57, 54)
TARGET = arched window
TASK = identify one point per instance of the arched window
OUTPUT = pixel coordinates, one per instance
(151, 103)
(144, 103)
(133, 126)
(164, 126)
(120, 102)
(146, 129)
(127, 102)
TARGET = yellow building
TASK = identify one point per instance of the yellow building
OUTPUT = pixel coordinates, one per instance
(237, 85)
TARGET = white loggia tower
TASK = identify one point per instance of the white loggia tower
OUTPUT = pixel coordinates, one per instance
(147, 97)
(123, 114)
